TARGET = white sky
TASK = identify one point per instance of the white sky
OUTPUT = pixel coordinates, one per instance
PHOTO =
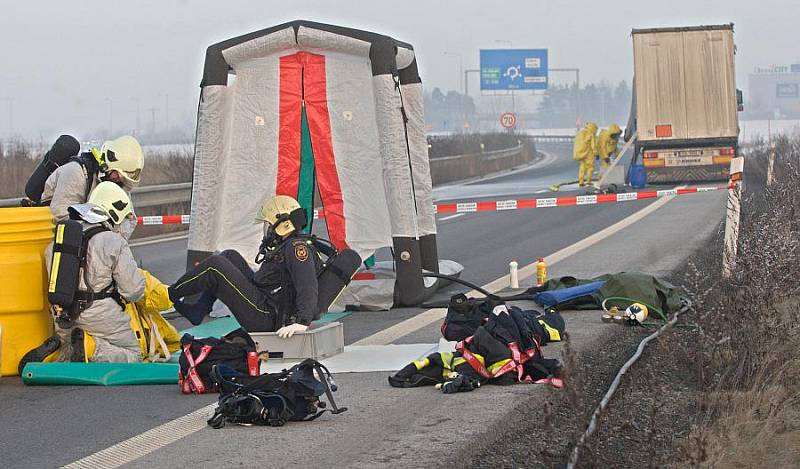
(66, 64)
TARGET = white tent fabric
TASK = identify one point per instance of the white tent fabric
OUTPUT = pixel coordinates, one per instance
(362, 100)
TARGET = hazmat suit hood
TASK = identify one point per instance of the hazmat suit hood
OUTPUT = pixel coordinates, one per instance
(591, 127)
(90, 213)
(614, 130)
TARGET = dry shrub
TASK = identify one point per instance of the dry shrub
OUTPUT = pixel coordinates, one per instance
(747, 355)
(168, 166)
(19, 159)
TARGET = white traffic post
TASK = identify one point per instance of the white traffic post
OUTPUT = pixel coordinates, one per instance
(771, 165)
(732, 216)
(513, 274)
(599, 183)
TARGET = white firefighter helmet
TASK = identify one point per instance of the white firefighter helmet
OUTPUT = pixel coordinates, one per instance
(636, 313)
(283, 213)
(114, 202)
(123, 155)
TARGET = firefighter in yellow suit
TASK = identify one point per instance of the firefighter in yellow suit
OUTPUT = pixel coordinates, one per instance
(607, 144)
(584, 152)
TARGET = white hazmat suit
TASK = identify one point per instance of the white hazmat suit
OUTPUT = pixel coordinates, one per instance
(68, 186)
(108, 258)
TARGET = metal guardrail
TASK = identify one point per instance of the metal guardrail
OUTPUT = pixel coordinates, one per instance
(494, 154)
(162, 194)
(145, 196)
(552, 138)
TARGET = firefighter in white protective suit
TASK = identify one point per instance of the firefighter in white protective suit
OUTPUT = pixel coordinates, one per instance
(102, 331)
(119, 161)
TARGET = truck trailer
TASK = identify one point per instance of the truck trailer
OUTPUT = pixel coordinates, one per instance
(685, 102)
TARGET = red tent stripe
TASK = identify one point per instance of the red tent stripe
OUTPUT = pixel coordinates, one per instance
(290, 108)
(319, 124)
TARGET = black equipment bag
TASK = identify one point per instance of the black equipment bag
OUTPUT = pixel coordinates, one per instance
(273, 398)
(466, 315)
(62, 151)
(236, 350)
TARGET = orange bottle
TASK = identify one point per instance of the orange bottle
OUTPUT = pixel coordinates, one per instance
(541, 272)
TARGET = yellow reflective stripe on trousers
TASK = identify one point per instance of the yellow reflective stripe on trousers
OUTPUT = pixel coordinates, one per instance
(420, 364)
(229, 283)
(555, 336)
(497, 365)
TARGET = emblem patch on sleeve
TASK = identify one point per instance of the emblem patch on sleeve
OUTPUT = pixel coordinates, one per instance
(301, 252)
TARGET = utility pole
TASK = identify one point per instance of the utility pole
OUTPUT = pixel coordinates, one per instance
(466, 79)
(138, 115)
(152, 111)
(10, 117)
(460, 68)
(513, 101)
(110, 116)
(577, 73)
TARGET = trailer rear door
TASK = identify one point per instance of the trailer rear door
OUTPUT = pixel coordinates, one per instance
(710, 84)
(660, 86)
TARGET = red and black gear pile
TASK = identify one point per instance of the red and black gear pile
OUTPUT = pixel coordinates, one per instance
(496, 344)
(235, 350)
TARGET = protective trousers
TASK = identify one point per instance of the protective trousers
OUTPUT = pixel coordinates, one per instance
(109, 325)
(585, 171)
(229, 278)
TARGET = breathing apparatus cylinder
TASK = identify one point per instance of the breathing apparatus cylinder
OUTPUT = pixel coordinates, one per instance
(64, 148)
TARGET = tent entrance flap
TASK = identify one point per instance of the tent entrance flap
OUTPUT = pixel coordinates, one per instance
(307, 184)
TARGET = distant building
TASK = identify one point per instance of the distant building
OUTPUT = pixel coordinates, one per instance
(774, 92)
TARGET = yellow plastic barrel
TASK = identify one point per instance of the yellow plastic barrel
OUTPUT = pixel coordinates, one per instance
(25, 233)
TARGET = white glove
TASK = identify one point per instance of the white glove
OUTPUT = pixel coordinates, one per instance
(287, 331)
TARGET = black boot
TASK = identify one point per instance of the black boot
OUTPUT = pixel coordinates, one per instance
(195, 312)
(78, 346)
(50, 345)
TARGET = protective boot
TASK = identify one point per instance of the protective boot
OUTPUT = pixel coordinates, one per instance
(195, 312)
(40, 353)
(83, 346)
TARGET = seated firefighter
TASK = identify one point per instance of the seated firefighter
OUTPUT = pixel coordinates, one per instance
(92, 274)
(291, 287)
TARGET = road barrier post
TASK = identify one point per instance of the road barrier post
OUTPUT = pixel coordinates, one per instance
(771, 165)
(732, 217)
(513, 274)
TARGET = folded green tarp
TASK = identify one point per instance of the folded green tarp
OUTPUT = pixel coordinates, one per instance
(99, 374)
(115, 374)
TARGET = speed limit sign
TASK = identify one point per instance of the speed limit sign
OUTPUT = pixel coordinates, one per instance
(508, 120)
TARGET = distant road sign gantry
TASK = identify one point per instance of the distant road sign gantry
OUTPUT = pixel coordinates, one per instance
(514, 69)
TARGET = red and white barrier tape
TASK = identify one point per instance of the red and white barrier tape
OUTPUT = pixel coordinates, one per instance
(498, 205)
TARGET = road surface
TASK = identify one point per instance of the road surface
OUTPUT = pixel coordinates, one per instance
(385, 427)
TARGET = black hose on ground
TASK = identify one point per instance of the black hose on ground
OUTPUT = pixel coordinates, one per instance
(520, 296)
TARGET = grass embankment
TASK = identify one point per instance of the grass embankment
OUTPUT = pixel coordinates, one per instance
(722, 389)
(747, 356)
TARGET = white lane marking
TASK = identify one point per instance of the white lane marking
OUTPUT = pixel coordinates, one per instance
(542, 191)
(145, 443)
(430, 316)
(452, 216)
(146, 242)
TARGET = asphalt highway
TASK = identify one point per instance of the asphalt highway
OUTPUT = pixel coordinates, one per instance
(53, 426)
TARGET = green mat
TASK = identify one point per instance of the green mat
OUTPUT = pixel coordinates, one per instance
(100, 374)
(117, 374)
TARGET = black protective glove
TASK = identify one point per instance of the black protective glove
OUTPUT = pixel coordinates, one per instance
(460, 383)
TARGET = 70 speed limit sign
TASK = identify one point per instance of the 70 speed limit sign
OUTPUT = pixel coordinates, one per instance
(508, 120)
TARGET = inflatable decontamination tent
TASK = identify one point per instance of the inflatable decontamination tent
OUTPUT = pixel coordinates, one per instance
(304, 107)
